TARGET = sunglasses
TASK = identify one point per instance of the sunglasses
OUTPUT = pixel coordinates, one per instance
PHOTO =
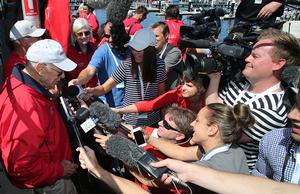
(86, 33)
(168, 126)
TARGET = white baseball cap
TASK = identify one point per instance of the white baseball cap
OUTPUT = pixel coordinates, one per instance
(50, 51)
(24, 28)
(142, 39)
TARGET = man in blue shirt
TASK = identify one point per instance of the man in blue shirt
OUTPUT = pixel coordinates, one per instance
(279, 150)
(103, 63)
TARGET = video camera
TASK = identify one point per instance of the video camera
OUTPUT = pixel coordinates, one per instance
(206, 23)
(227, 57)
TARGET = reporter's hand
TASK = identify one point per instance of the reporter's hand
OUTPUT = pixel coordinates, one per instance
(215, 75)
(101, 139)
(69, 168)
(73, 82)
(87, 159)
(179, 167)
(268, 9)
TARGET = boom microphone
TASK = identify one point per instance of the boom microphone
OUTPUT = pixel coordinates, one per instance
(117, 10)
(134, 156)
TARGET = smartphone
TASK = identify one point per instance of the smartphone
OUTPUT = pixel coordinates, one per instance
(138, 136)
(82, 94)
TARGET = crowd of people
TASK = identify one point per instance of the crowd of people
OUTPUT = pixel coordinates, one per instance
(240, 138)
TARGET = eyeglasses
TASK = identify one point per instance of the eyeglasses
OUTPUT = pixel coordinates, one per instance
(86, 33)
(59, 73)
(168, 126)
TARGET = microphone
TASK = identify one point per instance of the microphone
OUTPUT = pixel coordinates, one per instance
(99, 113)
(134, 156)
(292, 2)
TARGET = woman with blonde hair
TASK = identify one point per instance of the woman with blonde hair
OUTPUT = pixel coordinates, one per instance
(81, 49)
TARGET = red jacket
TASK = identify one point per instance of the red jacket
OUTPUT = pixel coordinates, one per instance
(82, 60)
(170, 97)
(174, 28)
(133, 25)
(33, 137)
(12, 59)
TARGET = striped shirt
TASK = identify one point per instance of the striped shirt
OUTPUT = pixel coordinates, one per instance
(133, 92)
(267, 109)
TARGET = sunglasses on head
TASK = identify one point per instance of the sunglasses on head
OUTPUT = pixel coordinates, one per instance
(87, 33)
(168, 126)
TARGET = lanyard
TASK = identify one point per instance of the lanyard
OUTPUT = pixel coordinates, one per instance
(215, 151)
(113, 55)
(271, 89)
(296, 173)
(142, 84)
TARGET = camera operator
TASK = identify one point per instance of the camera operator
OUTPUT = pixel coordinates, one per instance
(256, 11)
(34, 142)
(261, 90)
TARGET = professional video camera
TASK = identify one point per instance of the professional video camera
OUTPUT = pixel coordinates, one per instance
(206, 23)
(229, 56)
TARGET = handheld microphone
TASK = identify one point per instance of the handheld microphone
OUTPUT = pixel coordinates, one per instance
(99, 113)
(134, 156)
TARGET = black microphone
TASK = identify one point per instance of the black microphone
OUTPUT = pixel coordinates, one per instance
(134, 156)
(292, 2)
(99, 113)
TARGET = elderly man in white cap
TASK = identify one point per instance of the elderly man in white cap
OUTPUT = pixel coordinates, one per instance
(23, 34)
(34, 142)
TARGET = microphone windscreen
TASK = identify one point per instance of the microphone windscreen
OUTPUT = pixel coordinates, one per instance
(117, 10)
(97, 4)
(123, 149)
(109, 119)
(82, 113)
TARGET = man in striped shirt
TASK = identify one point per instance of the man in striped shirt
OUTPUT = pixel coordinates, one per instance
(262, 89)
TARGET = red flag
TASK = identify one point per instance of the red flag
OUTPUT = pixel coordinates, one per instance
(57, 21)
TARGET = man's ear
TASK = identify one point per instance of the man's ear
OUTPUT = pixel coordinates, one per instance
(179, 136)
(279, 64)
(39, 67)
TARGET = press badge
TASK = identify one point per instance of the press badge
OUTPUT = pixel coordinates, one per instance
(258, 2)
(120, 85)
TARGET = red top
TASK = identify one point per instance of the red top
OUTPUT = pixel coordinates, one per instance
(12, 59)
(82, 61)
(174, 28)
(135, 23)
(170, 97)
(33, 137)
(160, 156)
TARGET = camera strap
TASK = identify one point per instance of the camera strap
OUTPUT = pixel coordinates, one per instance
(257, 96)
